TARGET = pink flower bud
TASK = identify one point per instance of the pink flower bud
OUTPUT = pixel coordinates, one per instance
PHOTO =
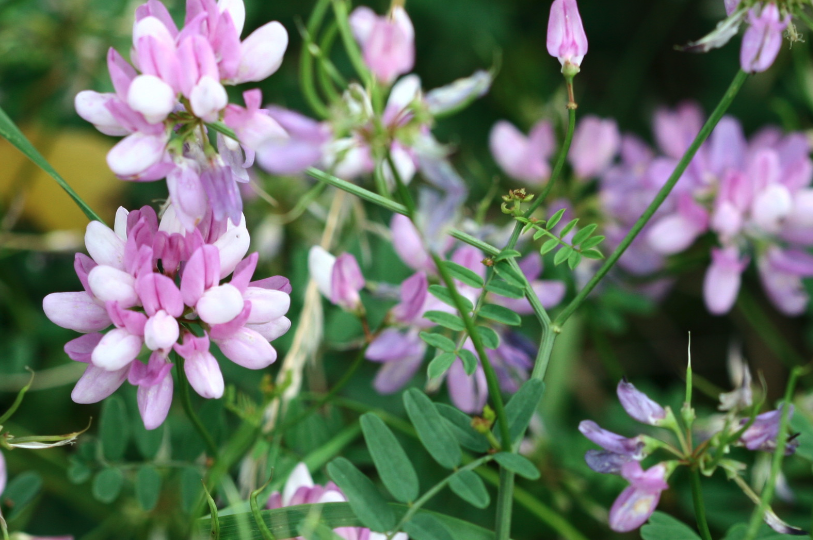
(722, 282)
(566, 38)
(763, 39)
(346, 281)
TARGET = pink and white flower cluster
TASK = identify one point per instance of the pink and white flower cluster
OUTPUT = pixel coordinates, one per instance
(160, 289)
(177, 85)
(300, 489)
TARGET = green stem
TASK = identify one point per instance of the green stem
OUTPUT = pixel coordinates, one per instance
(183, 389)
(434, 491)
(699, 508)
(557, 170)
(778, 456)
(505, 504)
(350, 45)
(358, 191)
(306, 60)
(710, 124)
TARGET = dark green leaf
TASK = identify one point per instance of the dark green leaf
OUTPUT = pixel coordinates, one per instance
(468, 359)
(460, 425)
(593, 254)
(507, 254)
(548, 246)
(107, 485)
(113, 428)
(591, 242)
(447, 320)
(20, 492)
(427, 527)
(391, 462)
(440, 364)
(148, 487)
(78, 471)
(509, 274)
(517, 464)
(443, 294)
(9, 131)
(287, 522)
(520, 409)
(562, 255)
(500, 314)
(569, 227)
(432, 430)
(364, 498)
(583, 234)
(554, 219)
(469, 487)
(490, 338)
(574, 260)
(800, 424)
(191, 488)
(504, 289)
(147, 441)
(467, 276)
(440, 342)
(664, 527)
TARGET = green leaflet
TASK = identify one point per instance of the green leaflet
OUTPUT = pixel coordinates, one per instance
(391, 462)
(432, 430)
(10, 132)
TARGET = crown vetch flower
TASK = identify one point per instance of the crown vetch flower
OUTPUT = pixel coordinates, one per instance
(387, 42)
(147, 302)
(566, 38)
(637, 502)
(763, 38)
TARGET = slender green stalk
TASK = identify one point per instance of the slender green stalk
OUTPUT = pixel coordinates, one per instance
(485, 247)
(778, 456)
(557, 170)
(306, 59)
(699, 508)
(183, 389)
(265, 532)
(358, 191)
(710, 124)
(434, 491)
(349, 42)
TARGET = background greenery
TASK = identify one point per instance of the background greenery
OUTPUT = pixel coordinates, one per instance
(51, 49)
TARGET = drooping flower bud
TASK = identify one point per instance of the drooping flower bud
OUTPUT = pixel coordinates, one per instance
(763, 39)
(566, 38)
(638, 405)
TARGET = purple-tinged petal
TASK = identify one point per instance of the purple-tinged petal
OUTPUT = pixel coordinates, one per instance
(249, 349)
(632, 508)
(96, 383)
(81, 348)
(208, 98)
(346, 280)
(261, 53)
(392, 376)
(92, 106)
(595, 144)
(220, 304)
(566, 39)
(458, 94)
(409, 245)
(362, 20)
(111, 284)
(266, 304)
(116, 350)
(121, 73)
(605, 462)
(136, 153)
(152, 97)
(232, 246)
(202, 271)
(722, 281)
(389, 49)
(159, 292)
(223, 193)
(277, 283)
(203, 373)
(414, 291)
(785, 290)
(468, 393)
(104, 246)
(273, 329)
(613, 442)
(3, 473)
(638, 405)
(244, 271)
(320, 268)
(75, 311)
(392, 345)
(187, 194)
(154, 402)
(771, 207)
(161, 331)
(763, 38)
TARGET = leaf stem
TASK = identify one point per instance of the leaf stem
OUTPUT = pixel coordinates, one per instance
(699, 508)
(183, 389)
(778, 456)
(710, 124)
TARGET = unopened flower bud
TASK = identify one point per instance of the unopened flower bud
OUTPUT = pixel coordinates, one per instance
(566, 38)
